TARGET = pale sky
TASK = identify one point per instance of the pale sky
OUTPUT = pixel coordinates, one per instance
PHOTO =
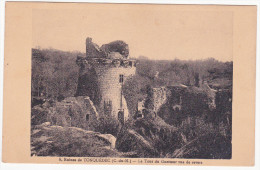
(157, 32)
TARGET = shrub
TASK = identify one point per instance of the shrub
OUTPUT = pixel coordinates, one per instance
(107, 125)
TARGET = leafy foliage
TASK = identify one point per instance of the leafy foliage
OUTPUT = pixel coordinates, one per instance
(107, 126)
(54, 73)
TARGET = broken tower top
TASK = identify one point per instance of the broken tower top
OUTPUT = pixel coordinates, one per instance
(114, 50)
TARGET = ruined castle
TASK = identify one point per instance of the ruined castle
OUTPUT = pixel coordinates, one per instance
(101, 76)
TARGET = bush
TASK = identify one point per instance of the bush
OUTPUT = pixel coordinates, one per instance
(107, 125)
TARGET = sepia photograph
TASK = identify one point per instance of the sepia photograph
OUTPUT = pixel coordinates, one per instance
(131, 82)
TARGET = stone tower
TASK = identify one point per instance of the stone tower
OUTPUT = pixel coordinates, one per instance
(102, 73)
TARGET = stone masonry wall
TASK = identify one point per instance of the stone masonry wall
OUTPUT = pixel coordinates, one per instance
(110, 87)
(157, 97)
(74, 111)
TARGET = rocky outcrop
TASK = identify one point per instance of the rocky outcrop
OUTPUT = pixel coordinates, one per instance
(52, 140)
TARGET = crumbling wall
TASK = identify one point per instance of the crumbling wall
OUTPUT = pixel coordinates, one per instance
(174, 103)
(156, 97)
(74, 111)
(116, 46)
(93, 50)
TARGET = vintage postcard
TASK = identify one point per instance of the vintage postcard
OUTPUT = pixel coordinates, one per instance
(88, 83)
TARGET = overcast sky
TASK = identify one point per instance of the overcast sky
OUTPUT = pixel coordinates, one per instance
(157, 32)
